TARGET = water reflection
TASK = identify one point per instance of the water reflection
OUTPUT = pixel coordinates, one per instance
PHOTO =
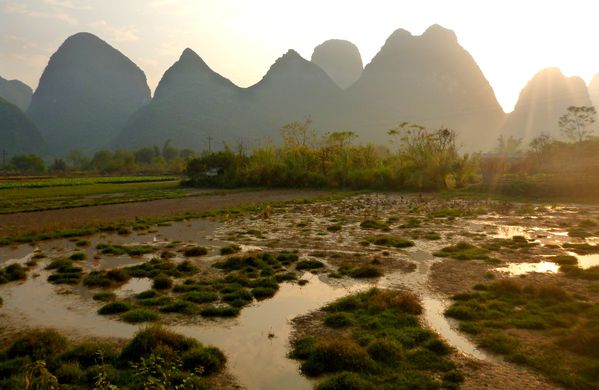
(516, 269)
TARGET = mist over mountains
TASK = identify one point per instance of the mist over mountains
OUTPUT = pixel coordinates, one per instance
(91, 96)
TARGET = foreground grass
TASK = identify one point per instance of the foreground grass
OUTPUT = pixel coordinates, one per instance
(154, 358)
(538, 325)
(374, 340)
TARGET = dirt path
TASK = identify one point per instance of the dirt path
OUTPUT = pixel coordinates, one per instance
(23, 223)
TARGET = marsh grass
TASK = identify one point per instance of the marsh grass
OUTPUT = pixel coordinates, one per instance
(563, 326)
(389, 240)
(463, 251)
(377, 343)
(12, 273)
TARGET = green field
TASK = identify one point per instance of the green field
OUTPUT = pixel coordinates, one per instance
(17, 195)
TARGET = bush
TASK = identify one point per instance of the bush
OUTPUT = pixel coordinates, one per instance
(264, 292)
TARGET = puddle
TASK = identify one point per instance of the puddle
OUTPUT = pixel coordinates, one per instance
(516, 269)
(509, 231)
(434, 309)
(133, 286)
(260, 362)
(586, 261)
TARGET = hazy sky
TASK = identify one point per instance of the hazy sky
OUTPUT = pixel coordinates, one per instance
(240, 39)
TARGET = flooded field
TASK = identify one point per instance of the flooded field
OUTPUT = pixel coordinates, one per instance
(322, 251)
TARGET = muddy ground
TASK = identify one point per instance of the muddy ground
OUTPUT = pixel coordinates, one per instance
(335, 233)
(39, 221)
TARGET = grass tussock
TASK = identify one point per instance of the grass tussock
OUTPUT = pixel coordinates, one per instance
(564, 328)
(378, 343)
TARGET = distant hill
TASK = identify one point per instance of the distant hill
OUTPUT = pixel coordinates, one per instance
(429, 80)
(16, 92)
(192, 103)
(340, 59)
(86, 94)
(543, 100)
(18, 134)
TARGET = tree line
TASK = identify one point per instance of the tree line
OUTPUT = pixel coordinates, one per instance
(155, 160)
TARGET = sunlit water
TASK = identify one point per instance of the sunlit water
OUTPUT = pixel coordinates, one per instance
(516, 269)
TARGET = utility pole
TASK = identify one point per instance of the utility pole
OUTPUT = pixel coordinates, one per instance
(209, 144)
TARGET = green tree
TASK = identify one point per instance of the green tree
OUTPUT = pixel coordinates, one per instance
(576, 123)
(30, 163)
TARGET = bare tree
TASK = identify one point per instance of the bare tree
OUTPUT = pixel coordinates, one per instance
(576, 123)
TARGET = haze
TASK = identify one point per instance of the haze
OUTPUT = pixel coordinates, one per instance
(510, 40)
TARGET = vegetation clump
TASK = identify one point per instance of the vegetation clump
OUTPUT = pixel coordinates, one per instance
(557, 333)
(375, 341)
(108, 278)
(119, 250)
(389, 240)
(64, 272)
(463, 251)
(373, 224)
(12, 273)
(155, 357)
(230, 249)
(195, 251)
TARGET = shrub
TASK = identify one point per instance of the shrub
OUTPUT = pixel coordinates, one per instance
(179, 306)
(70, 373)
